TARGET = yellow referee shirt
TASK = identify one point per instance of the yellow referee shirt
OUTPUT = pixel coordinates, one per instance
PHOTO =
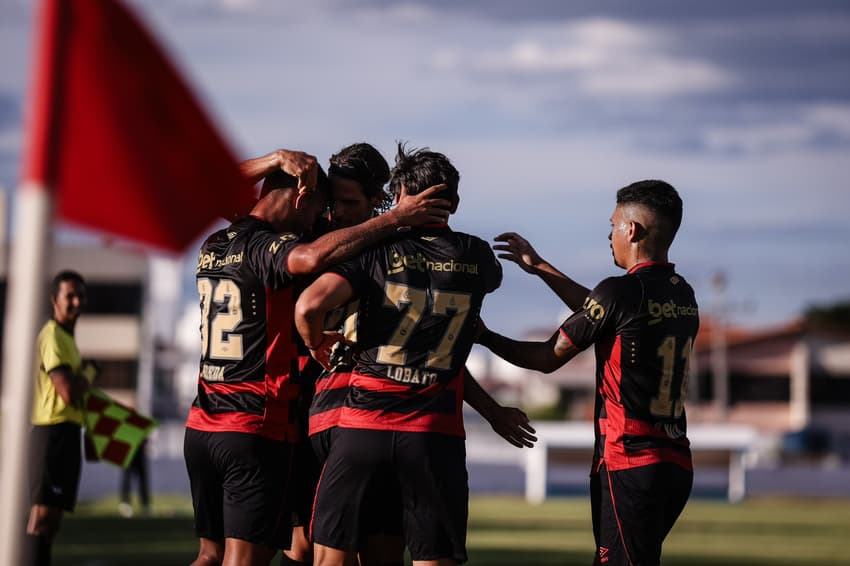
(56, 347)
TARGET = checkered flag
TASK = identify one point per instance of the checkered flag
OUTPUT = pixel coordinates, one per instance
(113, 431)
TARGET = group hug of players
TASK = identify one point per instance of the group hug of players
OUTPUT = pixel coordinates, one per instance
(336, 320)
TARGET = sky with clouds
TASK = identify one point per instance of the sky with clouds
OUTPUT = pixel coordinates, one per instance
(547, 108)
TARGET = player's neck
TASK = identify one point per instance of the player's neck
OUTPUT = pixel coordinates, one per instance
(639, 256)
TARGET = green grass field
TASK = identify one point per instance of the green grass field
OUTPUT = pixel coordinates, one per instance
(506, 531)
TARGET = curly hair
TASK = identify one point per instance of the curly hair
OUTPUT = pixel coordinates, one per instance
(418, 169)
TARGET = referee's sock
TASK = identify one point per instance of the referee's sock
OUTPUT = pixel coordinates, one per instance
(40, 548)
(287, 561)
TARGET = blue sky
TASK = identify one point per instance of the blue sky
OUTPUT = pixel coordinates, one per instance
(547, 108)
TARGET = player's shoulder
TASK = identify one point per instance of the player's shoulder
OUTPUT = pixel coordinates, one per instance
(473, 242)
(616, 285)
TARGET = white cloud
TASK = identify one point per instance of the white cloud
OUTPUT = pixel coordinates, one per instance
(796, 129)
(604, 57)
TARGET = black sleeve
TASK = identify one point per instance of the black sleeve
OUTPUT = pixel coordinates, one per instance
(491, 269)
(600, 315)
(268, 253)
(355, 271)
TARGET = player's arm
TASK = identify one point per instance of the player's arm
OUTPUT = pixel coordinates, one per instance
(327, 293)
(510, 423)
(70, 387)
(303, 166)
(540, 356)
(340, 245)
(515, 248)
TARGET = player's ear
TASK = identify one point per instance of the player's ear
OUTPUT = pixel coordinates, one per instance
(636, 231)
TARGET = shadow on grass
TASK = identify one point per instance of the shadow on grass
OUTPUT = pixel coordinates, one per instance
(108, 541)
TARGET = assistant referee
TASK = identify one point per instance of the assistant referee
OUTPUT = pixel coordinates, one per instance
(57, 417)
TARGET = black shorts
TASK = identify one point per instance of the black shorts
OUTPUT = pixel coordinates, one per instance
(301, 488)
(238, 484)
(637, 509)
(55, 462)
(383, 515)
(429, 471)
(321, 442)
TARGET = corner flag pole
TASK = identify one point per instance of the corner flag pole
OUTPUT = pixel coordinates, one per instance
(26, 290)
(26, 293)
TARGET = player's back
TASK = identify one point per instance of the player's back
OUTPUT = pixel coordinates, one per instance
(420, 295)
(645, 409)
(246, 330)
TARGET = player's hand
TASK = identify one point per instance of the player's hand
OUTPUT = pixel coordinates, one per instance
(518, 250)
(421, 209)
(321, 352)
(303, 166)
(513, 425)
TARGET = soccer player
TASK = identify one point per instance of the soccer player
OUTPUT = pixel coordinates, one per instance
(236, 444)
(420, 294)
(357, 175)
(61, 381)
(643, 325)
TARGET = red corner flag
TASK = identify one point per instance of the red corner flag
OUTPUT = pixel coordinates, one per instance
(118, 135)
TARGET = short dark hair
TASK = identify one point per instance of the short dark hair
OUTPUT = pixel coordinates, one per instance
(659, 196)
(65, 275)
(418, 169)
(277, 179)
(362, 163)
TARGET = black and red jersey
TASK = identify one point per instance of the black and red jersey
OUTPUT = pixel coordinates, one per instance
(420, 296)
(643, 325)
(249, 357)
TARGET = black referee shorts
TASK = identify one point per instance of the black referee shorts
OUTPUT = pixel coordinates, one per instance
(55, 462)
(363, 469)
(636, 510)
(238, 484)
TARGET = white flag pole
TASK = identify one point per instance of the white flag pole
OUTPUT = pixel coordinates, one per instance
(25, 297)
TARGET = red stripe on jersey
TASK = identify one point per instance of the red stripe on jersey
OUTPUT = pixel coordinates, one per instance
(324, 421)
(450, 425)
(418, 421)
(229, 422)
(335, 380)
(322, 417)
(228, 388)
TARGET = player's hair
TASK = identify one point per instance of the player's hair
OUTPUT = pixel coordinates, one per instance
(279, 180)
(363, 163)
(658, 196)
(418, 169)
(64, 275)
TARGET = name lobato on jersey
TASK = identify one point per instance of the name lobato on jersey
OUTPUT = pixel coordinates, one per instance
(643, 325)
(420, 297)
(248, 352)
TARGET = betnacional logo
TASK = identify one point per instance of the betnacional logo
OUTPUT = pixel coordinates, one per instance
(417, 262)
(660, 311)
